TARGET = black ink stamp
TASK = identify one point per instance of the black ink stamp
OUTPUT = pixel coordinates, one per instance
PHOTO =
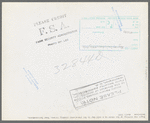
(99, 91)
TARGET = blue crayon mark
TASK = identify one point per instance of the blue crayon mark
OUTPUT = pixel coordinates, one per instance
(30, 78)
(118, 17)
(33, 77)
(25, 70)
(36, 86)
(119, 24)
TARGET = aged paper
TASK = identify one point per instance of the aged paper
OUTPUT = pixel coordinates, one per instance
(75, 61)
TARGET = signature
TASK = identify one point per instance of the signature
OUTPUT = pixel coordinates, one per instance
(128, 32)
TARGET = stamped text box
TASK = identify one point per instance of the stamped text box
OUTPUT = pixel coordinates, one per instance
(99, 91)
(103, 33)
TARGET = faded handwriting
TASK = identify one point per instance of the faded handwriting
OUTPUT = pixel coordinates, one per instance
(129, 32)
(75, 62)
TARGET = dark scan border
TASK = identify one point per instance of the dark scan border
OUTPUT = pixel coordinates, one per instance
(30, 121)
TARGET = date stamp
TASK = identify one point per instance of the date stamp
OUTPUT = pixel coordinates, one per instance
(109, 33)
(99, 91)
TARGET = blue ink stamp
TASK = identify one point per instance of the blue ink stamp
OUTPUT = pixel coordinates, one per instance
(109, 33)
(30, 78)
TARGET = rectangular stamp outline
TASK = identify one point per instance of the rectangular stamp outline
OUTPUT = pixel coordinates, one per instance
(118, 28)
(98, 94)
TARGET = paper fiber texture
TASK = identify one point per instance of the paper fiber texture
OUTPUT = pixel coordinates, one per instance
(75, 61)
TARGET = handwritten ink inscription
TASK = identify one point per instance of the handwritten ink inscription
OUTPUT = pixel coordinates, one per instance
(75, 62)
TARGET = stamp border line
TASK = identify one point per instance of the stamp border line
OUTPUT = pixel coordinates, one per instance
(98, 100)
(99, 82)
(116, 28)
(109, 16)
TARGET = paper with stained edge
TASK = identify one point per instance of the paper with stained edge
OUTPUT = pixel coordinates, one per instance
(57, 57)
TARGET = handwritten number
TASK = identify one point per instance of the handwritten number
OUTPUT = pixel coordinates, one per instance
(57, 69)
(99, 56)
(65, 64)
(83, 61)
(74, 62)
(90, 58)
